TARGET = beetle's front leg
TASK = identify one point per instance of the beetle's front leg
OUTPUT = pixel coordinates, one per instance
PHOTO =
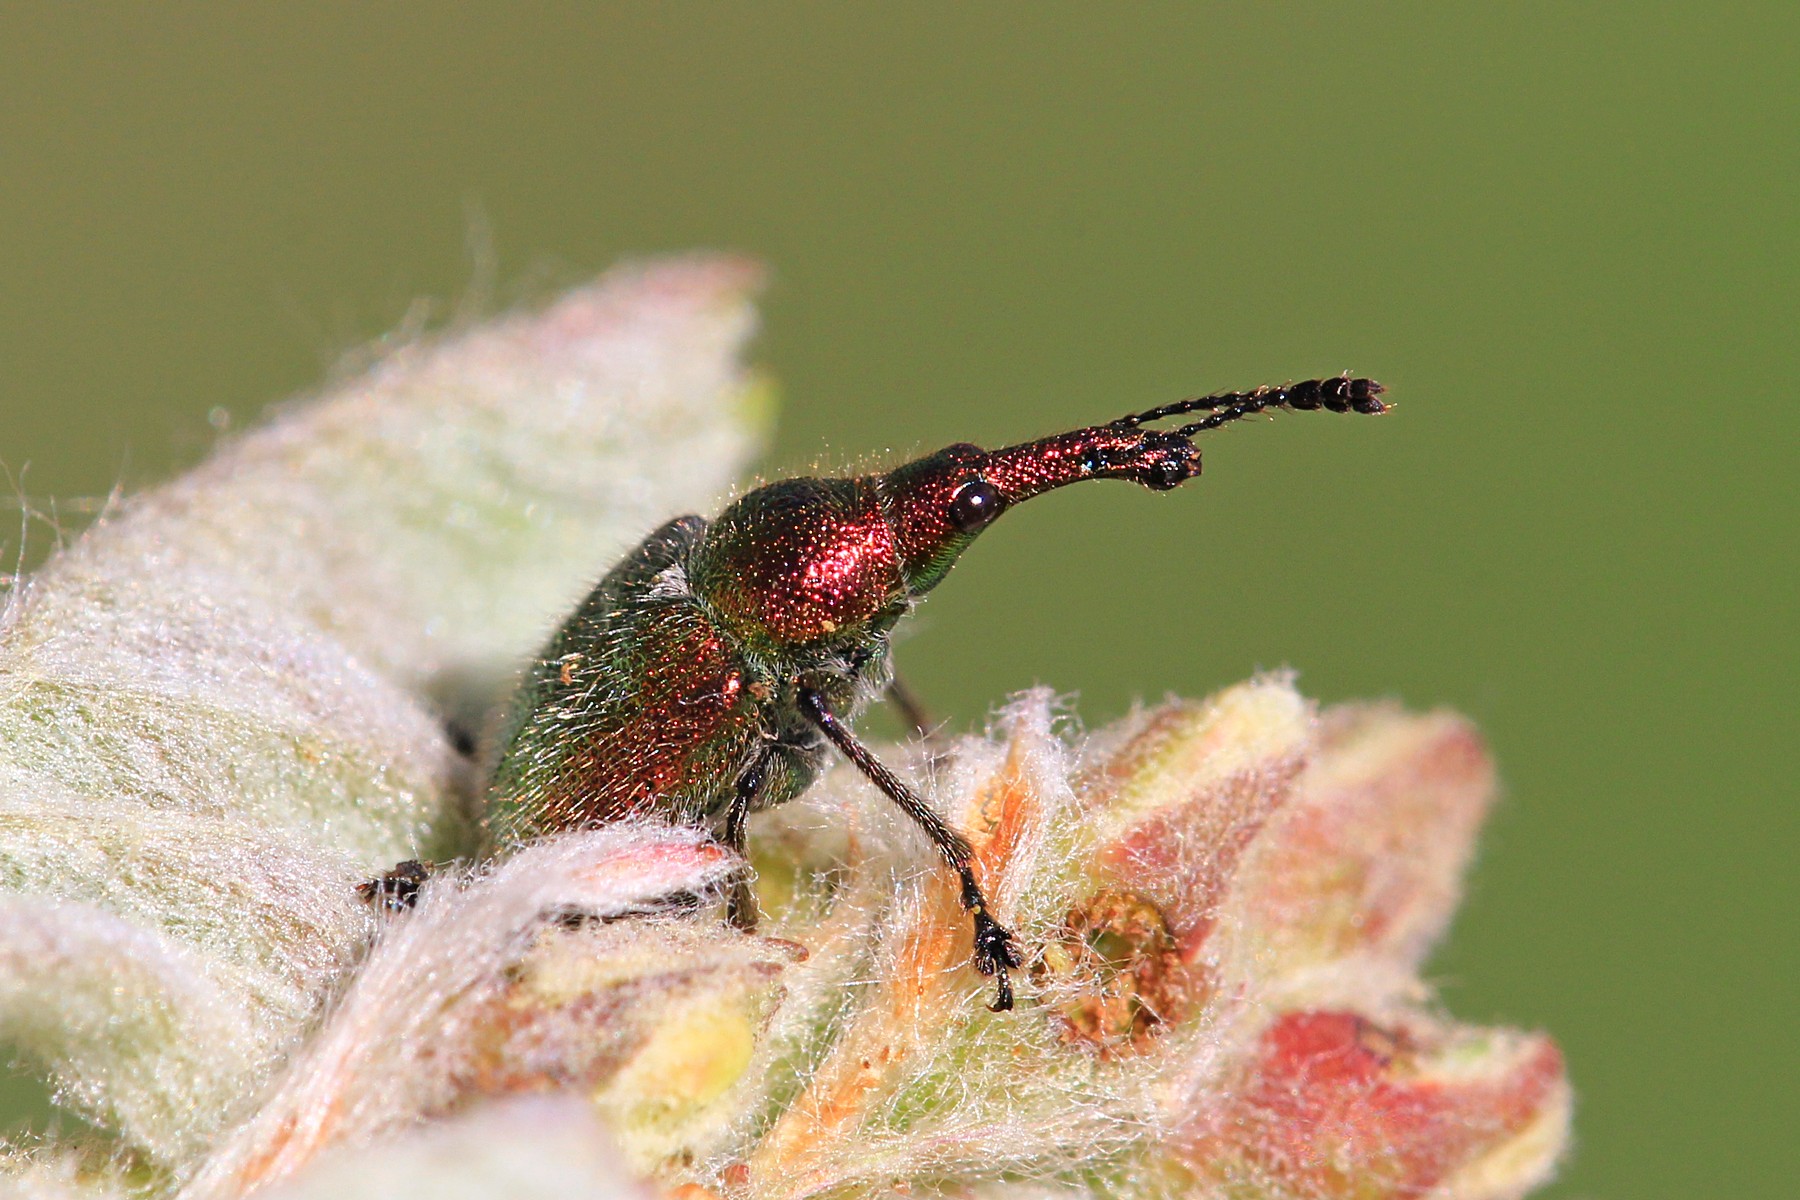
(995, 951)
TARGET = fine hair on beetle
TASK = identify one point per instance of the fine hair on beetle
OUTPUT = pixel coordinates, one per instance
(717, 667)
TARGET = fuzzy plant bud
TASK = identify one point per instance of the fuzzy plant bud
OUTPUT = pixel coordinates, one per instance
(224, 705)
(224, 710)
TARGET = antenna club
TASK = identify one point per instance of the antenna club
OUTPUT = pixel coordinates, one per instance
(1342, 394)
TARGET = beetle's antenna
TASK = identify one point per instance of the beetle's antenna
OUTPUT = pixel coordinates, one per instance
(1340, 394)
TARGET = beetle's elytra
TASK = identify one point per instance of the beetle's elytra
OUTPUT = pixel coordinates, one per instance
(711, 672)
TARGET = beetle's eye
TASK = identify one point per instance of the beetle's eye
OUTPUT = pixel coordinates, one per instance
(975, 504)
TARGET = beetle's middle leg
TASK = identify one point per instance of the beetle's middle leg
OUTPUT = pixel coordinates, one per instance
(917, 718)
(906, 704)
(740, 904)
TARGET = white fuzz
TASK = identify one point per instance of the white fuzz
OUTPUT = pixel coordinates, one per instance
(395, 1045)
(52, 1176)
(537, 1148)
(223, 707)
(127, 1016)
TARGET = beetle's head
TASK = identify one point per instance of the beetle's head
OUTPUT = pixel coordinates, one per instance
(804, 560)
(938, 504)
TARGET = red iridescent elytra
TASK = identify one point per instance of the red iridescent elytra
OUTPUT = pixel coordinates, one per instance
(710, 672)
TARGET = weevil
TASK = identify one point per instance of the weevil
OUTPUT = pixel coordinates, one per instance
(711, 673)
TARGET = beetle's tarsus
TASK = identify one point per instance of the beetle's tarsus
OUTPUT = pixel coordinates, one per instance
(995, 951)
(397, 889)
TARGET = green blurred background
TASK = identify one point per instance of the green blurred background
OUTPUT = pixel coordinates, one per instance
(1566, 236)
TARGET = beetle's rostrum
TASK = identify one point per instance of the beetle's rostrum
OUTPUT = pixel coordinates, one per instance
(712, 672)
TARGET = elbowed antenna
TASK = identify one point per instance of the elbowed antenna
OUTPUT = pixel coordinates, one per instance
(1159, 459)
(1339, 394)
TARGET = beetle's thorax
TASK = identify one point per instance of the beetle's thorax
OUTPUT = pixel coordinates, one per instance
(800, 562)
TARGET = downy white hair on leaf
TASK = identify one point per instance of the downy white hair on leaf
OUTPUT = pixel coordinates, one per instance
(222, 709)
(223, 705)
(401, 1041)
(531, 1148)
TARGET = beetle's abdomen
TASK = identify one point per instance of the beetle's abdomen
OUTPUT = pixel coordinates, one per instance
(652, 719)
(639, 706)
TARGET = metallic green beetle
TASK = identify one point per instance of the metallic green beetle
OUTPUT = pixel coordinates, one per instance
(706, 676)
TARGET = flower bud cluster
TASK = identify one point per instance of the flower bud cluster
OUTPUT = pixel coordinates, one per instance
(221, 709)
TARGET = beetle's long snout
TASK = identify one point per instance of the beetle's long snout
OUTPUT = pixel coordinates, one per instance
(1161, 459)
(1155, 458)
